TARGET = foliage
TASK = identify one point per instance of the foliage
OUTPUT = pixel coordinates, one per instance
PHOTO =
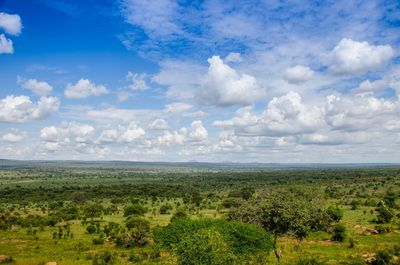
(134, 209)
(179, 214)
(339, 233)
(384, 213)
(383, 257)
(107, 258)
(238, 239)
(335, 213)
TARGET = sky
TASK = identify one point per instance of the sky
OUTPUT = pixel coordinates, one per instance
(215, 81)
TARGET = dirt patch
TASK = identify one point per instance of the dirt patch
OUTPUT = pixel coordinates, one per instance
(5, 259)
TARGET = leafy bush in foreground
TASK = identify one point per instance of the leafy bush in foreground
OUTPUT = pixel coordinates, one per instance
(213, 241)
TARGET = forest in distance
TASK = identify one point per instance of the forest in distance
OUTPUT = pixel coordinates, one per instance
(97, 213)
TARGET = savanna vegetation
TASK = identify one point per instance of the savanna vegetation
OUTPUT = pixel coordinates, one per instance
(192, 214)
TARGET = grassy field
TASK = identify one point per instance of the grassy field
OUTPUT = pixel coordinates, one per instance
(33, 191)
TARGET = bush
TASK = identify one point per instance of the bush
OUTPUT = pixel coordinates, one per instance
(137, 223)
(384, 214)
(204, 247)
(106, 258)
(135, 258)
(178, 214)
(339, 233)
(235, 239)
(383, 257)
(382, 229)
(165, 208)
(134, 209)
(335, 213)
(137, 235)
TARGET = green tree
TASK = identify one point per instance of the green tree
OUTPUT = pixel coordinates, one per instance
(385, 214)
(134, 209)
(335, 213)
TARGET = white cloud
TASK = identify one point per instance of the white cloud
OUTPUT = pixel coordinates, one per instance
(285, 115)
(156, 17)
(177, 108)
(108, 136)
(84, 88)
(223, 86)
(233, 57)
(298, 74)
(159, 124)
(352, 57)
(360, 112)
(138, 81)
(6, 45)
(198, 132)
(10, 23)
(22, 109)
(368, 86)
(40, 88)
(132, 133)
(173, 138)
(13, 137)
(182, 78)
(68, 133)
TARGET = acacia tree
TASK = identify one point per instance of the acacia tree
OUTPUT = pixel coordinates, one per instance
(285, 212)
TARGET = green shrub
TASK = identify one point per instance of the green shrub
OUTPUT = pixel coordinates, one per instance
(383, 257)
(179, 214)
(135, 210)
(107, 258)
(335, 213)
(165, 208)
(385, 215)
(339, 233)
(239, 239)
(206, 246)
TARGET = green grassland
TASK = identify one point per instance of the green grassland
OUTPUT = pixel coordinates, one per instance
(50, 190)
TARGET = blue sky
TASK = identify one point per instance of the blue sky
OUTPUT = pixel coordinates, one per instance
(246, 81)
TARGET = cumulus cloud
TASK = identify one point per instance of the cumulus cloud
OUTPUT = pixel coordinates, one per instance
(14, 136)
(285, 115)
(40, 88)
(368, 86)
(22, 109)
(132, 133)
(339, 120)
(67, 133)
(108, 136)
(11, 24)
(173, 138)
(223, 86)
(198, 132)
(352, 57)
(6, 45)
(84, 88)
(138, 81)
(159, 124)
(360, 112)
(177, 108)
(298, 74)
